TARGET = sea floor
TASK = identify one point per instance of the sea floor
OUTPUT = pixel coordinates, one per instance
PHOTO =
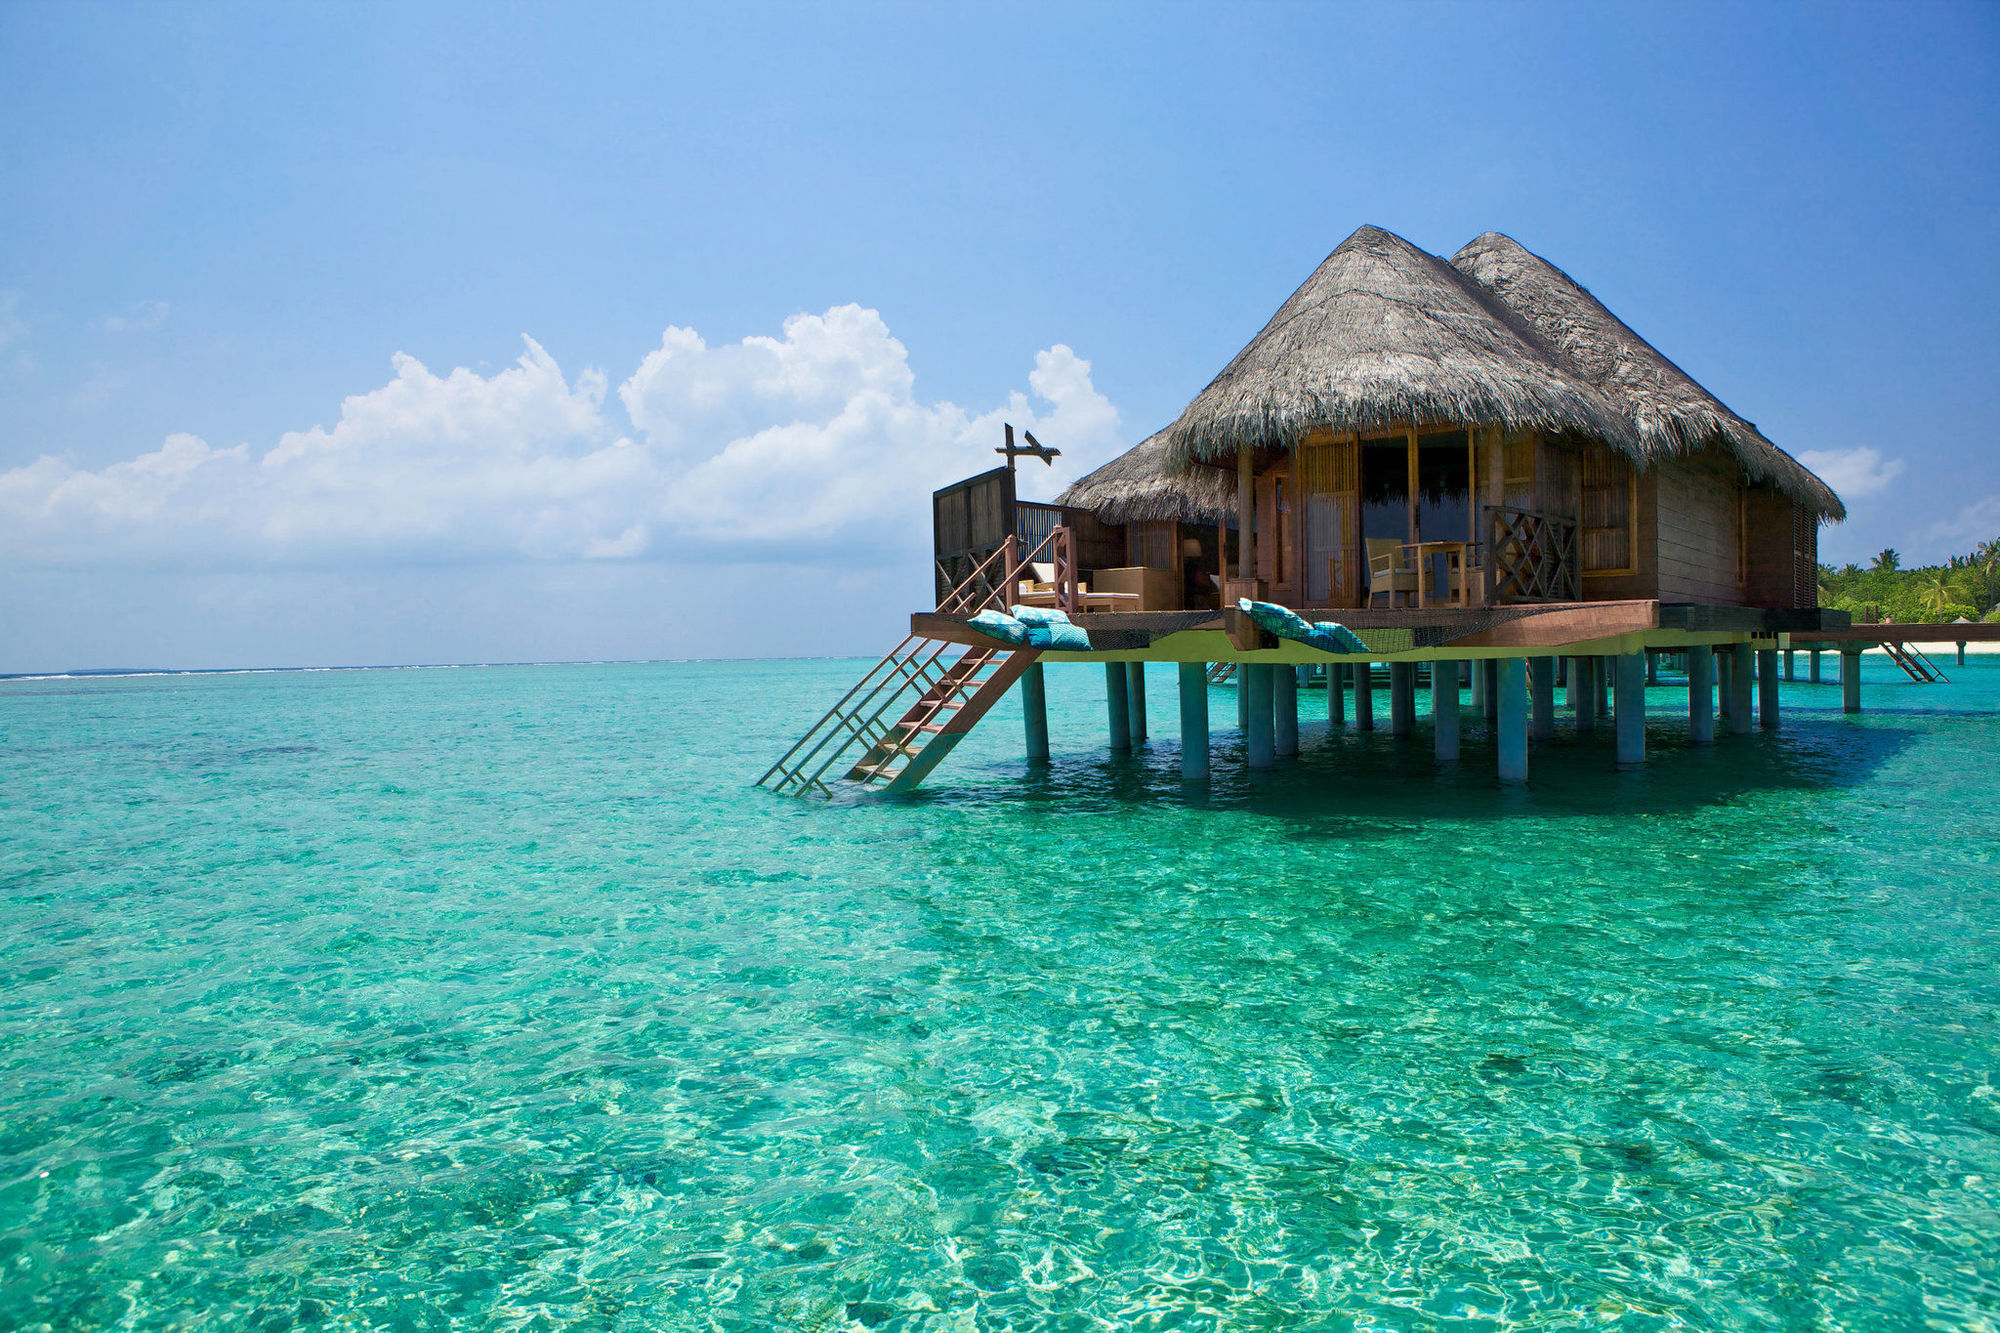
(497, 998)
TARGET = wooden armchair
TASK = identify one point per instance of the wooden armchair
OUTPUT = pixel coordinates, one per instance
(1389, 570)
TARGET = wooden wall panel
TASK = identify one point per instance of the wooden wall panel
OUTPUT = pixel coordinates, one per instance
(1696, 513)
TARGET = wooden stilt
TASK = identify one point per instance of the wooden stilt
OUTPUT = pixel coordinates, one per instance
(1491, 669)
(1477, 670)
(1850, 681)
(1285, 706)
(1600, 685)
(1512, 688)
(1257, 683)
(1767, 687)
(1652, 668)
(1135, 698)
(1791, 666)
(1402, 697)
(1725, 662)
(1035, 712)
(1541, 699)
(1364, 696)
(1701, 696)
(1116, 710)
(1812, 666)
(1741, 683)
(1583, 693)
(1194, 719)
(1961, 652)
(1444, 709)
(1336, 693)
(1631, 721)
(1243, 696)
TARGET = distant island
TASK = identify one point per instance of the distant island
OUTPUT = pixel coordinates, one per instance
(1964, 586)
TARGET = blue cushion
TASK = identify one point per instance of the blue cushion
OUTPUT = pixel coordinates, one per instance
(1000, 625)
(1064, 637)
(1040, 615)
(1327, 635)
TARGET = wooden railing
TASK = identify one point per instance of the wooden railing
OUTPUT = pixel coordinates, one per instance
(1531, 556)
(994, 583)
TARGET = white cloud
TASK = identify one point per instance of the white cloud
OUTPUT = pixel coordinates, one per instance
(1976, 522)
(814, 437)
(1853, 473)
(141, 316)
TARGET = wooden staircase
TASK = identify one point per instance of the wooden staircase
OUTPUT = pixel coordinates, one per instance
(1911, 658)
(910, 709)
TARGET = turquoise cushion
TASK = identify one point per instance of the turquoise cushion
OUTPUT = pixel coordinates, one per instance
(1064, 637)
(1328, 636)
(1040, 615)
(1333, 632)
(1001, 626)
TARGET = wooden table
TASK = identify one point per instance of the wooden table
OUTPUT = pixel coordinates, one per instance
(1455, 552)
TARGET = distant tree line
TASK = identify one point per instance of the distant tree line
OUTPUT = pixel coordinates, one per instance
(1966, 585)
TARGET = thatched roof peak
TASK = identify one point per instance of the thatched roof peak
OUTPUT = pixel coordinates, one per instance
(1669, 413)
(1384, 333)
(1136, 487)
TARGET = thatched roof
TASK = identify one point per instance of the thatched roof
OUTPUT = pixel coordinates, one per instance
(1668, 411)
(1136, 487)
(1384, 333)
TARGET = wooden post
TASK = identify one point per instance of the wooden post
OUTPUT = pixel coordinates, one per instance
(1135, 698)
(1961, 652)
(1512, 683)
(1701, 698)
(1812, 666)
(1116, 710)
(1850, 680)
(1725, 695)
(1246, 514)
(1652, 668)
(1631, 722)
(1791, 666)
(1767, 687)
(1541, 699)
(1600, 685)
(1194, 719)
(1258, 684)
(1402, 697)
(1477, 670)
(1243, 697)
(1444, 709)
(1222, 550)
(1491, 669)
(1035, 712)
(1583, 693)
(1336, 693)
(1364, 696)
(1740, 685)
(1285, 706)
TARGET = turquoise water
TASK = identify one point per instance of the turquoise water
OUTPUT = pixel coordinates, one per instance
(493, 998)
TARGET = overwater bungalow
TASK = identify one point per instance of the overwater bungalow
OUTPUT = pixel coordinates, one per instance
(1417, 462)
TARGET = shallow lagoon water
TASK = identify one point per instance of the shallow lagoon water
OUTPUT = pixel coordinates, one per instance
(495, 998)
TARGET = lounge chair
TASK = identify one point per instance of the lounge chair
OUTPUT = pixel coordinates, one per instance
(1389, 570)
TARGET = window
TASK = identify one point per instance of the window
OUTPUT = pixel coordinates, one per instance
(1606, 521)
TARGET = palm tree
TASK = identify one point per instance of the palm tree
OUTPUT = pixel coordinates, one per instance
(1850, 568)
(1987, 556)
(1887, 561)
(1937, 595)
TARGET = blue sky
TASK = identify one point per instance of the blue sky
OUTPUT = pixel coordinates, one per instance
(336, 334)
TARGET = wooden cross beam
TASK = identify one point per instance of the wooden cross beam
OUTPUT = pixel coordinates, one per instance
(1034, 448)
